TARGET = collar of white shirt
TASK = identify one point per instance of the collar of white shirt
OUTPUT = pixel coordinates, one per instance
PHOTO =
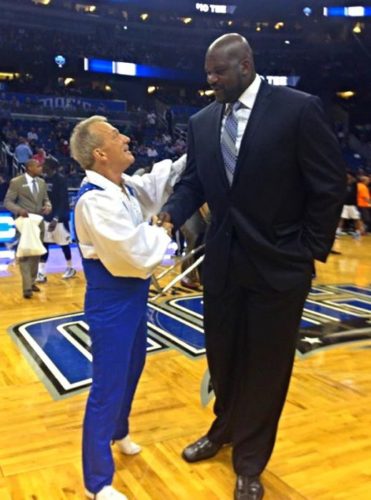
(101, 181)
(30, 179)
(248, 96)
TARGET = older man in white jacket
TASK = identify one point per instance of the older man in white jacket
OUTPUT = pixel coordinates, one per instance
(120, 250)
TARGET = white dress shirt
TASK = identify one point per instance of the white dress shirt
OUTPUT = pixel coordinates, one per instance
(247, 98)
(30, 182)
(112, 224)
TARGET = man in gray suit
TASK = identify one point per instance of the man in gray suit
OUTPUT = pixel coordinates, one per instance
(27, 193)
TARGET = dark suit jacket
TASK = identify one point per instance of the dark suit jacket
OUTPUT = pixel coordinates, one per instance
(58, 194)
(283, 207)
(19, 196)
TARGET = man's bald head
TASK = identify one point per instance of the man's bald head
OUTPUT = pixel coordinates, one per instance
(229, 65)
(33, 168)
(234, 45)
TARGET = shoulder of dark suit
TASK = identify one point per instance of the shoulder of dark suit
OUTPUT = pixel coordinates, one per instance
(213, 107)
(280, 91)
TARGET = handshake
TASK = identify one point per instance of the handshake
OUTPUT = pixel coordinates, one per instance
(163, 219)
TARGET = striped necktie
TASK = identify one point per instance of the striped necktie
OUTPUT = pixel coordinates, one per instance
(34, 188)
(228, 140)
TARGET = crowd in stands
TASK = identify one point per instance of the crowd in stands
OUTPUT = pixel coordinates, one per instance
(151, 141)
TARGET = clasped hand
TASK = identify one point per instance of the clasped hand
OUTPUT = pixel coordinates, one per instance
(163, 220)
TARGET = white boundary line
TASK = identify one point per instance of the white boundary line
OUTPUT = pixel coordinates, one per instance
(174, 339)
(174, 303)
(366, 312)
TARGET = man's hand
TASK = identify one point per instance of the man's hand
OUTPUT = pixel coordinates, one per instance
(168, 228)
(22, 212)
(46, 210)
(163, 220)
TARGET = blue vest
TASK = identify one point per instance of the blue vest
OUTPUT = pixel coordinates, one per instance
(97, 276)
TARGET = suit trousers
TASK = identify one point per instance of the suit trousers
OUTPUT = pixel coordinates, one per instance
(251, 335)
(28, 267)
(116, 312)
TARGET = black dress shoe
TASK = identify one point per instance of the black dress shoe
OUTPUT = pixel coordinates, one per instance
(27, 294)
(35, 288)
(248, 488)
(202, 449)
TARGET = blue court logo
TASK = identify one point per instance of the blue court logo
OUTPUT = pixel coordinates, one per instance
(59, 347)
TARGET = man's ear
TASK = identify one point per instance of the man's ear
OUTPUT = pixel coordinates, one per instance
(245, 66)
(98, 154)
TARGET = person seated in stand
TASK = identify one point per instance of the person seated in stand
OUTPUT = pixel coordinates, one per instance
(120, 250)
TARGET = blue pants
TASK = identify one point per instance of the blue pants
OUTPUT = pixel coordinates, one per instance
(115, 310)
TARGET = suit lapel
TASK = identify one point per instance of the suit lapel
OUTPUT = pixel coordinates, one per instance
(257, 113)
(38, 181)
(26, 189)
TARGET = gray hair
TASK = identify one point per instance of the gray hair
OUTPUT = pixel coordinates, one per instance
(83, 142)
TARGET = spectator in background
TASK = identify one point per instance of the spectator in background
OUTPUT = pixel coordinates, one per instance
(166, 138)
(74, 178)
(151, 119)
(3, 188)
(40, 155)
(27, 194)
(350, 211)
(152, 154)
(64, 147)
(57, 228)
(23, 152)
(363, 201)
(180, 146)
(169, 116)
(32, 135)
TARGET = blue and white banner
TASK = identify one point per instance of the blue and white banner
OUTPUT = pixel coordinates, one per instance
(66, 102)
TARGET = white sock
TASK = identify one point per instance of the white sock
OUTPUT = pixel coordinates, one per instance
(69, 264)
(42, 266)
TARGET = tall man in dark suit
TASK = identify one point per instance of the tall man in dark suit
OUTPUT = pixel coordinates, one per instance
(270, 169)
(27, 194)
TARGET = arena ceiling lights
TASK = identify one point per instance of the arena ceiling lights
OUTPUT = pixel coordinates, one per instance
(41, 2)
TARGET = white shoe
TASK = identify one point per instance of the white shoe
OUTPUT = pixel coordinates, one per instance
(41, 278)
(69, 273)
(127, 446)
(106, 493)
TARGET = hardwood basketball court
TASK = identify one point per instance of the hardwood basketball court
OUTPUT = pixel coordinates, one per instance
(323, 449)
